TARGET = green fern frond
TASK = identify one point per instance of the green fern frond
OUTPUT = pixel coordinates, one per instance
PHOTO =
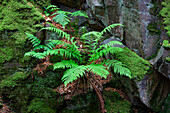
(61, 12)
(30, 53)
(39, 47)
(64, 44)
(108, 28)
(73, 74)
(96, 34)
(110, 44)
(40, 55)
(119, 67)
(34, 40)
(80, 13)
(36, 55)
(54, 7)
(62, 19)
(61, 33)
(98, 69)
(67, 53)
(65, 64)
(50, 45)
(104, 52)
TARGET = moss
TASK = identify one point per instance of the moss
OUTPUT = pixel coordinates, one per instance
(166, 44)
(137, 65)
(167, 59)
(114, 103)
(13, 80)
(38, 106)
(16, 18)
(41, 3)
(6, 54)
(165, 12)
(153, 29)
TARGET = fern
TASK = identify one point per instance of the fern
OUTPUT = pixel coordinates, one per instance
(67, 53)
(73, 74)
(96, 55)
(61, 12)
(108, 28)
(62, 19)
(119, 67)
(36, 55)
(79, 13)
(98, 69)
(61, 33)
(110, 44)
(54, 7)
(65, 64)
(33, 39)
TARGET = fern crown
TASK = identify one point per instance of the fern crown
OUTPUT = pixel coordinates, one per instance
(79, 61)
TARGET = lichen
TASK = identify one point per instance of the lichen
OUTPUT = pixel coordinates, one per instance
(138, 66)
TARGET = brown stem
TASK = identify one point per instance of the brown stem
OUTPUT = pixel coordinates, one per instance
(99, 95)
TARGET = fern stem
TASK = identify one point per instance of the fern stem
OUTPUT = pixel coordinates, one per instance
(98, 94)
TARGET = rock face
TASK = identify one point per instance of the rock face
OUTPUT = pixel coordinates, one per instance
(160, 63)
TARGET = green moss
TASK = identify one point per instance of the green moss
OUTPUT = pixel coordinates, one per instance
(20, 17)
(13, 80)
(114, 103)
(38, 106)
(6, 54)
(153, 29)
(166, 44)
(41, 3)
(167, 59)
(165, 12)
(137, 65)
(16, 18)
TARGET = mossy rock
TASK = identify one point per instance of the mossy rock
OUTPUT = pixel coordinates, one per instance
(13, 80)
(16, 18)
(114, 103)
(138, 66)
(165, 12)
(41, 3)
(38, 106)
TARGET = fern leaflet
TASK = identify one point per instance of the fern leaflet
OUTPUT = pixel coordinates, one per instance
(65, 64)
(119, 67)
(79, 13)
(58, 31)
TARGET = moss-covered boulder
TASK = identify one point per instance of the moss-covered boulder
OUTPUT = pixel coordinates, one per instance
(138, 66)
(16, 18)
(147, 88)
(115, 103)
(38, 106)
